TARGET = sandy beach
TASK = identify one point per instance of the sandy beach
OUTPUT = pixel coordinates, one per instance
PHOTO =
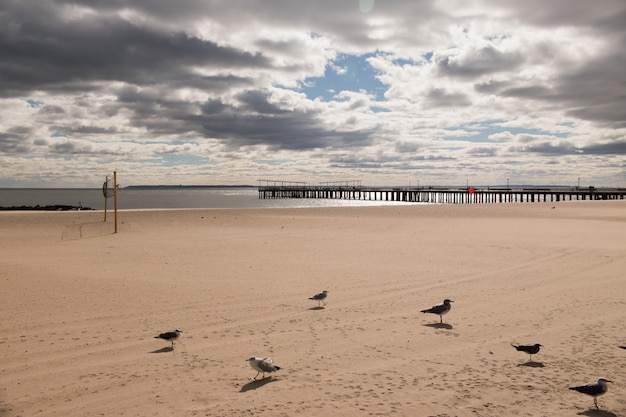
(81, 307)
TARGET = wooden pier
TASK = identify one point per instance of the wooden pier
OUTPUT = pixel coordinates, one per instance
(470, 195)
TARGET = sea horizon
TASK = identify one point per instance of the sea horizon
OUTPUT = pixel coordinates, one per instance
(166, 197)
(169, 196)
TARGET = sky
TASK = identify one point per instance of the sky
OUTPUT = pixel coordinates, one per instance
(384, 92)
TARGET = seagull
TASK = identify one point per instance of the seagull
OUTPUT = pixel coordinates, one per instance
(320, 297)
(441, 309)
(595, 389)
(530, 349)
(170, 336)
(262, 365)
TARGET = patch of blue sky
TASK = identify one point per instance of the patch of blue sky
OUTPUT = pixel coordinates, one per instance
(427, 57)
(568, 124)
(178, 142)
(345, 73)
(380, 109)
(407, 62)
(482, 132)
(34, 103)
(59, 135)
(400, 62)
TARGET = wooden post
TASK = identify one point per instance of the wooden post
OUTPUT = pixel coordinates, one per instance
(115, 198)
(105, 191)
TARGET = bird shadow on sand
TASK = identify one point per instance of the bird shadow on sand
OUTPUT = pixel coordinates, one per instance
(532, 364)
(163, 350)
(317, 308)
(439, 326)
(257, 383)
(594, 412)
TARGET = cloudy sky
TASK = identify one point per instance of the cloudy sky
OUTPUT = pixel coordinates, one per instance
(388, 92)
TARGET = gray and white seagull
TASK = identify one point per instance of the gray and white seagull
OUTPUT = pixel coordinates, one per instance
(170, 336)
(595, 389)
(262, 365)
(320, 297)
(440, 309)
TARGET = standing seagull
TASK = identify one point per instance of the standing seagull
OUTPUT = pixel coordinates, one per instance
(440, 309)
(170, 336)
(530, 349)
(320, 297)
(595, 389)
(262, 365)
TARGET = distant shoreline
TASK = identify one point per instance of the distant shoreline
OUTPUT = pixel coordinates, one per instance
(54, 207)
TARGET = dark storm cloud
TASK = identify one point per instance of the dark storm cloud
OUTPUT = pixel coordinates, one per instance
(483, 151)
(547, 148)
(219, 83)
(615, 148)
(439, 97)
(257, 102)
(49, 51)
(12, 142)
(486, 61)
(44, 49)
(69, 148)
(251, 120)
(151, 110)
(594, 91)
(257, 121)
(535, 92)
(599, 16)
(52, 110)
(404, 147)
(77, 148)
(82, 130)
(492, 87)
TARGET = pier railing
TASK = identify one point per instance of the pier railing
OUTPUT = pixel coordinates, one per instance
(454, 195)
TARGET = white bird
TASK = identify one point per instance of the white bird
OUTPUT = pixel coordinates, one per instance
(320, 297)
(262, 365)
(170, 336)
(595, 389)
(440, 309)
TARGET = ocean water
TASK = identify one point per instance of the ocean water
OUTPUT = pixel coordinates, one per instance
(166, 198)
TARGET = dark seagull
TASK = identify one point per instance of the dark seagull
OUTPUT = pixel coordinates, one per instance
(440, 309)
(262, 365)
(530, 349)
(320, 297)
(595, 389)
(170, 336)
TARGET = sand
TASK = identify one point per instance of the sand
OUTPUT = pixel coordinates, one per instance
(81, 306)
